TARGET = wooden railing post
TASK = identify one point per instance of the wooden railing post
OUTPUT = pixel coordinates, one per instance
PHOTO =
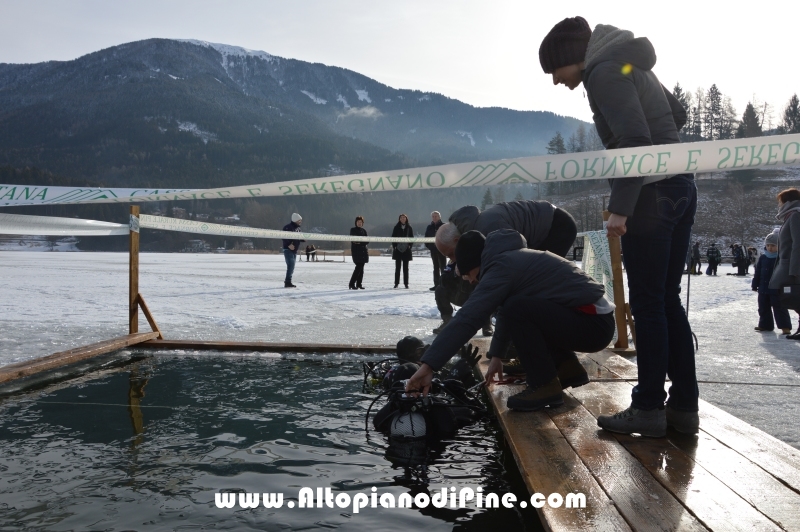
(133, 272)
(615, 248)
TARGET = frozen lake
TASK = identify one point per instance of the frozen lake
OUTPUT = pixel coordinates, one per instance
(55, 301)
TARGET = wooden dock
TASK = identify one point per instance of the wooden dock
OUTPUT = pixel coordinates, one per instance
(731, 476)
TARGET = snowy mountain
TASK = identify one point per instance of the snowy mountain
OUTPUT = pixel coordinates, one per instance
(191, 113)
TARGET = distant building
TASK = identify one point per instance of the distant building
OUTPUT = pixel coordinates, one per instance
(197, 246)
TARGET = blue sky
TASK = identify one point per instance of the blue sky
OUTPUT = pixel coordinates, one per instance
(484, 53)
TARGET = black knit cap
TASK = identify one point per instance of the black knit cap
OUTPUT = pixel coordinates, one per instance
(468, 251)
(565, 44)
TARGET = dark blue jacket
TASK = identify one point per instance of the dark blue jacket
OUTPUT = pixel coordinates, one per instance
(293, 227)
(763, 274)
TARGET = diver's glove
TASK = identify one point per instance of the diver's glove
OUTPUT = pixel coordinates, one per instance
(469, 354)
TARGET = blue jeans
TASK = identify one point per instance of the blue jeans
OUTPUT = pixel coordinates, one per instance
(654, 253)
(290, 257)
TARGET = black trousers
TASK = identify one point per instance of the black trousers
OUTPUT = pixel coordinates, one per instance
(358, 275)
(547, 334)
(397, 272)
(562, 234)
(439, 264)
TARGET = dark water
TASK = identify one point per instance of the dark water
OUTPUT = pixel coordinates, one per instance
(147, 447)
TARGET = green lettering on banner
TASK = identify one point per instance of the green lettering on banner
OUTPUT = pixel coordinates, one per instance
(252, 192)
(340, 183)
(224, 193)
(547, 174)
(9, 194)
(641, 160)
(612, 168)
(350, 185)
(692, 160)
(41, 193)
(564, 168)
(393, 183)
(796, 151)
(286, 190)
(725, 159)
(738, 158)
(441, 176)
(587, 168)
(754, 155)
(417, 180)
(320, 189)
(378, 184)
(627, 167)
(300, 191)
(661, 166)
(771, 156)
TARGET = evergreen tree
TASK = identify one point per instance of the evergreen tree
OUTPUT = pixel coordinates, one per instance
(685, 99)
(712, 118)
(728, 122)
(749, 126)
(556, 145)
(487, 199)
(791, 116)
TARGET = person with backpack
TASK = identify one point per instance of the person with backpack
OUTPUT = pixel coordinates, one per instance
(714, 257)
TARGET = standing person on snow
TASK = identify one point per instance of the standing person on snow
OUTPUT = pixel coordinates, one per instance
(787, 269)
(439, 261)
(653, 215)
(714, 257)
(290, 248)
(769, 301)
(695, 267)
(359, 253)
(401, 251)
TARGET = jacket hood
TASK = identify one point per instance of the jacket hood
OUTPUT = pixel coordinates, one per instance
(499, 242)
(465, 218)
(609, 43)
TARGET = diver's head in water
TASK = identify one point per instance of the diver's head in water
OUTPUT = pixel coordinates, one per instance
(410, 349)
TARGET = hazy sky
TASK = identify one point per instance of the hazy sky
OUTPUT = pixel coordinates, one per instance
(481, 52)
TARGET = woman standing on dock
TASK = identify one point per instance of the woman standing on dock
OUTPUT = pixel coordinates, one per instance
(787, 269)
(360, 254)
(401, 251)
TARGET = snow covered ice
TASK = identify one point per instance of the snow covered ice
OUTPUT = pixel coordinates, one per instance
(56, 301)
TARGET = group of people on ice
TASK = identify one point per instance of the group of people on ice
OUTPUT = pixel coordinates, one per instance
(508, 261)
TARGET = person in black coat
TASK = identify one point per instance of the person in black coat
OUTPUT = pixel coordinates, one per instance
(360, 254)
(439, 260)
(769, 302)
(653, 215)
(401, 251)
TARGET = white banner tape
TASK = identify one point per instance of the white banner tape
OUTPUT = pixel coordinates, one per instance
(697, 157)
(17, 224)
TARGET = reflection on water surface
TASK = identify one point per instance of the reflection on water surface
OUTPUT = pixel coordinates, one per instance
(147, 447)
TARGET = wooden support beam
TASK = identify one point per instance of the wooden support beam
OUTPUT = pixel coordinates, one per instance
(133, 273)
(64, 358)
(269, 346)
(615, 248)
(150, 319)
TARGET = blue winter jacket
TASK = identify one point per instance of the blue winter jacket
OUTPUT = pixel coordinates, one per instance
(763, 274)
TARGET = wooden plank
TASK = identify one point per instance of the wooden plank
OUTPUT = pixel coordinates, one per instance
(715, 504)
(642, 500)
(771, 454)
(133, 277)
(548, 464)
(24, 369)
(148, 316)
(615, 250)
(267, 346)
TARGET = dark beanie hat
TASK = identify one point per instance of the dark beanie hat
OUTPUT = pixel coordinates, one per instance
(565, 44)
(468, 251)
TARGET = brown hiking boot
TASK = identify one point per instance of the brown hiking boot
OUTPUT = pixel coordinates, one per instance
(571, 374)
(531, 399)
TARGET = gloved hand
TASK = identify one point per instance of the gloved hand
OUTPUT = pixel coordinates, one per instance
(469, 354)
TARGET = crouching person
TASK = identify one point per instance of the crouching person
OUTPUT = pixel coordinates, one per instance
(550, 309)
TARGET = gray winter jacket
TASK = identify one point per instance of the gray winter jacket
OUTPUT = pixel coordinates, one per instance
(787, 270)
(531, 218)
(509, 269)
(631, 108)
